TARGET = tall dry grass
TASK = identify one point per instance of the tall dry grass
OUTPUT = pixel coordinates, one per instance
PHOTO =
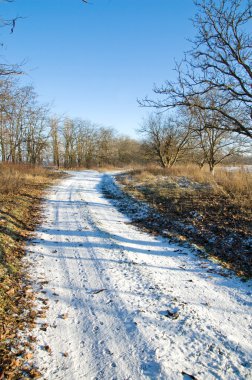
(14, 177)
(237, 184)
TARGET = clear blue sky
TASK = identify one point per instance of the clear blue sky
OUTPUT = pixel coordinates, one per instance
(94, 60)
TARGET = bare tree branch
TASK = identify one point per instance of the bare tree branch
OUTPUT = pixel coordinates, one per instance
(221, 61)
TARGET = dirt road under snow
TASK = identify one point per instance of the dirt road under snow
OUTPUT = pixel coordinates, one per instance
(127, 305)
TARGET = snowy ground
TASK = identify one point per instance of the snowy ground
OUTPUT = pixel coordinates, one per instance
(127, 305)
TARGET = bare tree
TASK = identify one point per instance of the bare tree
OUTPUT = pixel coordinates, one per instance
(9, 69)
(54, 132)
(129, 151)
(87, 143)
(22, 123)
(214, 144)
(165, 138)
(220, 60)
(36, 135)
(106, 144)
(69, 136)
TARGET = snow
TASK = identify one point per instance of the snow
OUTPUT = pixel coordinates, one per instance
(127, 305)
(243, 168)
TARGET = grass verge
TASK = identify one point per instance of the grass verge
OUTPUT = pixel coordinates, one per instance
(21, 193)
(213, 212)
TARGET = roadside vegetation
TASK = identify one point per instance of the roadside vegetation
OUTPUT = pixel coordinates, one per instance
(213, 212)
(21, 192)
(179, 158)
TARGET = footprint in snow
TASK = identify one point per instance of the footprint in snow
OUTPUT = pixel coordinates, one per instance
(173, 313)
(96, 329)
(107, 351)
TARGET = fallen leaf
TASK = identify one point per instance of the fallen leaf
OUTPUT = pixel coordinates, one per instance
(28, 356)
(172, 314)
(47, 348)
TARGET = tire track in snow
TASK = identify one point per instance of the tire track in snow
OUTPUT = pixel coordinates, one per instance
(70, 261)
(119, 315)
(95, 250)
(88, 311)
(213, 336)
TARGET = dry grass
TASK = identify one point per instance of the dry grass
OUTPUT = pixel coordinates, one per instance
(211, 211)
(236, 184)
(21, 191)
(14, 177)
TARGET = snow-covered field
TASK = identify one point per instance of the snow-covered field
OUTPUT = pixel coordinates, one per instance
(127, 305)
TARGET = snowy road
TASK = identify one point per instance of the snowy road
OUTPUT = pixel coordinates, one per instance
(127, 305)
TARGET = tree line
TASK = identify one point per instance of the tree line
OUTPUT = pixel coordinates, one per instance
(192, 138)
(211, 98)
(29, 135)
(210, 107)
(82, 143)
